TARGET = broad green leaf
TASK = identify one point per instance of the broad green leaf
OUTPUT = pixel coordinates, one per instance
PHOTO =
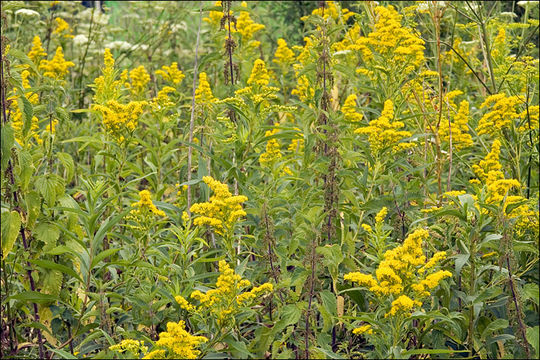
(461, 259)
(102, 255)
(33, 204)
(11, 224)
(533, 338)
(495, 325)
(530, 291)
(69, 165)
(48, 233)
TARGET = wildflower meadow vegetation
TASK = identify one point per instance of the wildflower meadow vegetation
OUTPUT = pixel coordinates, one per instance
(327, 179)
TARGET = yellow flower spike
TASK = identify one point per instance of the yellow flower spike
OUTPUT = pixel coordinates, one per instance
(379, 218)
(184, 304)
(171, 73)
(37, 51)
(118, 118)
(246, 26)
(503, 112)
(383, 132)
(145, 204)
(62, 27)
(259, 74)
(349, 109)
(284, 55)
(139, 79)
(222, 211)
(203, 93)
(58, 67)
(215, 16)
(131, 346)
(178, 342)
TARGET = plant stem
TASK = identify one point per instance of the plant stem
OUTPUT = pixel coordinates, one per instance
(192, 119)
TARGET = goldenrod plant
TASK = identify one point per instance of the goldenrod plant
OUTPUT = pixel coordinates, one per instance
(295, 179)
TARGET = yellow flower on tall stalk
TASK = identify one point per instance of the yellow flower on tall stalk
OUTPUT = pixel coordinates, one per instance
(247, 27)
(404, 275)
(139, 79)
(227, 298)
(145, 205)
(176, 343)
(171, 73)
(215, 16)
(384, 132)
(223, 209)
(119, 118)
(489, 173)
(349, 109)
(37, 51)
(283, 55)
(162, 100)
(58, 67)
(259, 74)
(106, 87)
(62, 28)
(503, 112)
(16, 117)
(273, 149)
(203, 93)
(459, 128)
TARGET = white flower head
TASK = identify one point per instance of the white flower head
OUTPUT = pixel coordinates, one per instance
(119, 45)
(527, 4)
(80, 40)
(27, 12)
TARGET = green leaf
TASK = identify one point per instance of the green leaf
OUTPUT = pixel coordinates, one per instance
(494, 326)
(47, 264)
(48, 233)
(46, 186)
(329, 353)
(7, 139)
(11, 224)
(28, 114)
(63, 354)
(33, 204)
(532, 335)
(69, 165)
(461, 259)
(530, 291)
(33, 296)
(102, 255)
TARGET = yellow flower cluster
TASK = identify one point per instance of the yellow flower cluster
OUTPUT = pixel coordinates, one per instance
(171, 73)
(105, 86)
(222, 211)
(273, 149)
(489, 172)
(17, 122)
(533, 115)
(331, 10)
(297, 144)
(139, 79)
(379, 218)
(383, 132)
(363, 329)
(349, 109)
(459, 127)
(247, 27)
(62, 27)
(503, 112)
(178, 343)
(58, 67)
(404, 273)
(119, 117)
(284, 55)
(224, 301)
(259, 74)
(214, 16)
(37, 51)
(162, 100)
(145, 204)
(131, 346)
(400, 49)
(203, 93)
(402, 304)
